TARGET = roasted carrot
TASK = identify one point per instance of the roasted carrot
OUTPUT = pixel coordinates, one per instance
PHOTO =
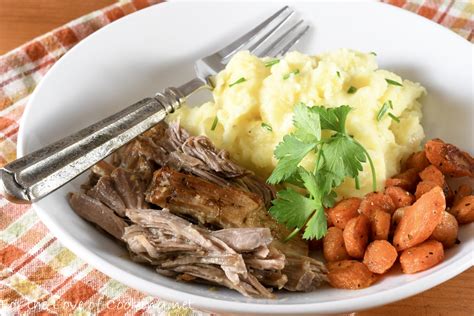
(350, 274)
(421, 257)
(356, 236)
(446, 232)
(433, 174)
(424, 187)
(380, 256)
(343, 211)
(420, 219)
(379, 225)
(449, 159)
(462, 191)
(333, 245)
(417, 161)
(374, 201)
(397, 216)
(406, 180)
(463, 210)
(400, 197)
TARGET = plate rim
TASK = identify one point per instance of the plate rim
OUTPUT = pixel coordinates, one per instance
(200, 302)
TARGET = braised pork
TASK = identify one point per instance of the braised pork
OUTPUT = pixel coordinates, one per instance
(104, 191)
(220, 206)
(160, 232)
(172, 146)
(98, 213)
(304, 273)
(217, 229)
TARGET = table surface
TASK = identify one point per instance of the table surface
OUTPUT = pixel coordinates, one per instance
(22, 20)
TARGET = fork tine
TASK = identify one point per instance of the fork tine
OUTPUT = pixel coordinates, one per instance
(291, 43)
(271, 46)
(236, 45)
(258, 43)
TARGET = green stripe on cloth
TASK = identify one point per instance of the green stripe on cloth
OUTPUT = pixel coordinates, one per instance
(19, 227)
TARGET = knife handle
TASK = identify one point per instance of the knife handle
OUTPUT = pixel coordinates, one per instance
(39, 173)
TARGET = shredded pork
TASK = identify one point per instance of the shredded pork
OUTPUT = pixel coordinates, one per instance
(213, 226)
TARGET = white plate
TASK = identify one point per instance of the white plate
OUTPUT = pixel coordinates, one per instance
(149, 50)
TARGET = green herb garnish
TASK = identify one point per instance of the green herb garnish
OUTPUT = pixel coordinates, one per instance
(294, 72)
(357, 183)
(267, 127)
(272, 62)
(373, 53)
(352, 90)
(393, 82)
(214, 123)
(338, 74)
(240, 80)
(393, 117)
(338, 156)
(383, 110)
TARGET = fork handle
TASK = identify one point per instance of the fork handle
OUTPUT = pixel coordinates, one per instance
(39, 173)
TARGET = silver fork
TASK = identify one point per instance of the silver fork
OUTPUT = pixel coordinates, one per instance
(39, 173)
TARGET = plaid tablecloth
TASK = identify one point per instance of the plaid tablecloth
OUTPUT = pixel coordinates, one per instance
(37, 274)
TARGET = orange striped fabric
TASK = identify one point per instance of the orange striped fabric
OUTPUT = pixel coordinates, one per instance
(37, 274)
(453, 14)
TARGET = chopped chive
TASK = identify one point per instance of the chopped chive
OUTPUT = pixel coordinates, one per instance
(267, 127)
(393, 117)
(240, 80)
(393, 82)
(294, 72)
(391, 104)
(373, 53)
(338, 74)
(214, 123)
(382, 111)
(352, 90)
(272, 62)
(357, 183)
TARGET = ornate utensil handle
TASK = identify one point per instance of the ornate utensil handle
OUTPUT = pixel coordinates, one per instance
(35, 175)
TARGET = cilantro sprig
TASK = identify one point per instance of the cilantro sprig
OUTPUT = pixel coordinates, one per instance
(338, 156)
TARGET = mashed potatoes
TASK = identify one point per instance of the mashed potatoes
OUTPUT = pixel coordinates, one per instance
(269, 94)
